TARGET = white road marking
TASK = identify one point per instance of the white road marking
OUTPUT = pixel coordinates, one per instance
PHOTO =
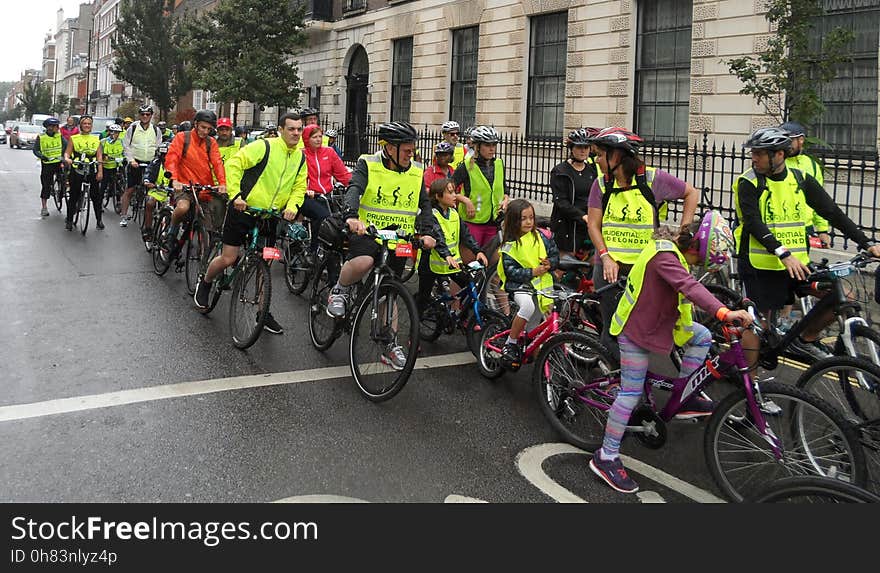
(650, 497)
(462, 499)
(321, 498)
(183, 389)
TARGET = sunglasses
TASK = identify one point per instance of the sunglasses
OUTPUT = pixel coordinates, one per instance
(146, 114)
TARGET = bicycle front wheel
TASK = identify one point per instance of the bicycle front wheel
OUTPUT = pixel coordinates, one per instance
(251, 294)
(383, 350)
(576, 382)
(491, 343)
(58, 192)
(813, 489)
(296, 267)
(812, 439)
(323, 330)
(196, 247)
(160, 252)
(85, 208)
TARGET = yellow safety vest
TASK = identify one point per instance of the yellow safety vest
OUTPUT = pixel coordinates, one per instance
(810, 166)
(50, 146)
(85, 143)
(486, 200)
(451, 228)
(227, 151)
(111, 149)
(684, 326)
(161, 181)
(391, 197)
(528, 252)
(782, 205)
(628, 220)
(457, 156)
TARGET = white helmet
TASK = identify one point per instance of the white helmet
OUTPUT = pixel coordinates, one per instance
(450, 126)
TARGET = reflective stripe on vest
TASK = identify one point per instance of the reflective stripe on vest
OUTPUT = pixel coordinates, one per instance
(451, 228)
(810, 166)
(528, 252)
(50, 146)
(87, 144)
(628, 221)
(111, 149)
(782, 205)
(684, 326)
(485, 199)
(391, 198)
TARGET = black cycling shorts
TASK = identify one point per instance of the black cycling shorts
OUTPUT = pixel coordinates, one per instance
(136, 176)
(361, 245)
(237, 225)
(769, 290)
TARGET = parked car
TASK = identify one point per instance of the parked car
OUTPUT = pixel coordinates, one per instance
(24, 136)
(3, 133)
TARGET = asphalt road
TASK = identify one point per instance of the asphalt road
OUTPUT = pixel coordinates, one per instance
(115, 389)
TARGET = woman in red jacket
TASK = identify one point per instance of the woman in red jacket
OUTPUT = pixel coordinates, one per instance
(324, 165)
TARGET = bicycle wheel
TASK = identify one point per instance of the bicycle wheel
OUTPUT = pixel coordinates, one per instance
(58, 191)
(216, 288)
(813, 437)
(576, 383)
(433, 320)
(108, 192)
(323, 330)
(251, 294)
(851, 385)
(85, 207)
(377, 344)
(196, 246)
(409, 269)
(496, 298)
(138, 205)
(813, 489)
(489, 359)
(296, 267)
(161, 256)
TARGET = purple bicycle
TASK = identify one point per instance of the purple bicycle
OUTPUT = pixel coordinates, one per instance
(760, 432)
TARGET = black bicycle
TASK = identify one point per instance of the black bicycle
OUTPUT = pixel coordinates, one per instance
(60, 189)
(86, 170)
(813, 489)
(116, 186)
(294, 241)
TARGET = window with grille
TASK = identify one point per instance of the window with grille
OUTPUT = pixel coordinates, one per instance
(663, 69)
(547, 58)
(401, 79)
(463, 91)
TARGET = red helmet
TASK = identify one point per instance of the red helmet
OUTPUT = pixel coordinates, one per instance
(224, 122)
(620, 138)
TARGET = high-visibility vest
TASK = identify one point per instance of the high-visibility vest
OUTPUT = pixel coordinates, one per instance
(782, 205)
(110, 149)
(629, 218)
(85, 143)
(528, 252)
(227, 151)
(684, 326)
(486, 199)
(451, 228)
(391, 197)
(810, 166)
(457, 156)
(50, 146)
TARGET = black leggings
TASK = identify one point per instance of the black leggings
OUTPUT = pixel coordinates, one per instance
(316, 210)
(427, 278)
(109, 179)
(76, 183)
(47, 178)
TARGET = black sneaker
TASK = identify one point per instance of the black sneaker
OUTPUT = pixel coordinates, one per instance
(68, 225)
(812, 351)
(100, 225)
(511, 356)
(272, 325)
(203, 291)
(612, 473)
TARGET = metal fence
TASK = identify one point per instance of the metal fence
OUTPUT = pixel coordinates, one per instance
(852, 182)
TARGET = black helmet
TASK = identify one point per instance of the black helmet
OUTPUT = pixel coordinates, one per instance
(484, 134)
(51, 121)
(175, 126)
(397, 132)
(769, 138)
(307, 111)
(146, 108)
(793, 129)
(578, 137)
(185, 126)
(206, 115)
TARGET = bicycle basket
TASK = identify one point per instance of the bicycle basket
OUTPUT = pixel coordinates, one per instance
(332, 232)
(297, 232)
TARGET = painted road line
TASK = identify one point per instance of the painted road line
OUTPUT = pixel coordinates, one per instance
(670, 481)
(183, 389)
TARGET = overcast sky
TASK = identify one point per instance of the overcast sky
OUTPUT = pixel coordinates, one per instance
(25, 23)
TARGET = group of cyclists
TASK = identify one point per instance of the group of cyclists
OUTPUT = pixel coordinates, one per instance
(606, 202)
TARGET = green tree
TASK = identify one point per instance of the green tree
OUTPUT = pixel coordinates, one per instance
(785, 78)
(148, 53)
(242, 51)
(35, 98)
(62, 104)
(128, 109)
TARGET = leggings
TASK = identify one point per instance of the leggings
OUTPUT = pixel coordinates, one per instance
(633, 368)
(316, 210)
(47, 178)
(76, 183)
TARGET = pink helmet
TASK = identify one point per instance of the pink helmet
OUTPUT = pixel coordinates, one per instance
(714, 240)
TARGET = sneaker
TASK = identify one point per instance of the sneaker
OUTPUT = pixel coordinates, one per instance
(337, 303)
(612, 473)
(123, 222)
(695, 407)
(203, 291)
(272, 325)
(44, 212)
(100, 225)
(394, 356)
(811, 350)
(511, 356)
(68, 225)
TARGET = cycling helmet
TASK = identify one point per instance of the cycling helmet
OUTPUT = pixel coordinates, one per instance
(618, 138)
(146, 108)
(769, 138)
(484, 134)
(307, 111)
(793, 129)
(205, 115)
(51, 121)
(450, 126)
(396, 132)
(114, 128)
(161, 125)
(714, 241)
(331, 133)
(443, 147)
(578, 137)
(592, 131)
(175, 126)
(185, 126)
(224, 122)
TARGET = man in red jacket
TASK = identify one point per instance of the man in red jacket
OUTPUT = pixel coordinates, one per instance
(324, 165)
(193, 158)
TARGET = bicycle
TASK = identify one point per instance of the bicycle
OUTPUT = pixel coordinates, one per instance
(86, 169)
(249, 281)
(298, 268)
(440, 316)
(759, 432)
(138, 197)
(116, 187)
(375, 321)
(813, 489)
(60, 191)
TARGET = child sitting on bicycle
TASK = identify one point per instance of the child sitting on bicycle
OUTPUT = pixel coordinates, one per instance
(654, 313)
(451, 232)
(155, 178)
(527, 256)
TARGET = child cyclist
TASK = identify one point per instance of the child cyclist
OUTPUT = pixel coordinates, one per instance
(652, 314)
(527, 256)
(451, 232)
(155, 179)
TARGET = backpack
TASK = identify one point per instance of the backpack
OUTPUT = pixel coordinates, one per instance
(186, 140)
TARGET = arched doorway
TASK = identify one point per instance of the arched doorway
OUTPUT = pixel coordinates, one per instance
(356, 104)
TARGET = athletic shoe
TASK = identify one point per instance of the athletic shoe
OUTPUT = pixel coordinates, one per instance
(511, 356)
(68, 225)
(337, 303)
(394, 356)
(44, 212)
(100, 225)
(123, 222)
(612, 473)
(272, 325)
(695, 407)
(203, 291)
(813, 351)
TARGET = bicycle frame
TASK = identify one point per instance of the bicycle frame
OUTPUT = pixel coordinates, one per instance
(537, 336)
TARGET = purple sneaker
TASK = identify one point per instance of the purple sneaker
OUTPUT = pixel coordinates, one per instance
(612, 473)
(695, 407)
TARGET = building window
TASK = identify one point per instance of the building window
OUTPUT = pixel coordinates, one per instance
(547, 57)
(315, 97)
(401, 79)
(663, 69)
(849, 122)
(463, 104)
